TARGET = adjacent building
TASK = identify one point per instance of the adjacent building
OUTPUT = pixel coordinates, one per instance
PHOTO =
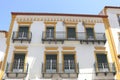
(113, 13)
(3, 38)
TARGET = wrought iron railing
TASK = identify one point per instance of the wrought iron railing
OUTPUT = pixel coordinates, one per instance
(105, 67)
(60, 68)
(77, 36)
(17, 68)
(21, 36)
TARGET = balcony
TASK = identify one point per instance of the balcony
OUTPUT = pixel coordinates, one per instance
(16, 70)
(78, 36)
(61, 71)
(22, 36)
(105, 68)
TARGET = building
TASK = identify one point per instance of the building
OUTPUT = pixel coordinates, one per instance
(53, 46)
(3, 38)
(113, 13)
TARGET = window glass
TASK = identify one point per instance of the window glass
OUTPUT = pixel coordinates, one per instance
(51, 62)
(18, 64)
(50, 32)
(71, 34)
(69, 62)
(89, 32)
(23, 32)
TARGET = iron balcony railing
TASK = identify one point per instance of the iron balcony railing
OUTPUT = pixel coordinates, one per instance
(105, 68)
(76, 36)
(17, 67)
(60, 68)
(21, 36)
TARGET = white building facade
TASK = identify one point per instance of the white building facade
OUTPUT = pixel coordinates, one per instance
(50, 46)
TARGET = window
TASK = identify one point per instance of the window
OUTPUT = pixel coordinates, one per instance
(119, 19)
(71, 33)
(102, 62)
(51, 63)
(50, 32)
(23, 32)
(90, 33)
(69, 63)
(18, 64)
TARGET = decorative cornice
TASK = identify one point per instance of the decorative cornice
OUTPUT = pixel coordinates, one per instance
(59, 18)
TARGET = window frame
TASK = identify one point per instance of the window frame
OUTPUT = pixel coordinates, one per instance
(51, 52)
(67, 31)
(50, 24)
(67, 53)
(19, 52)
(100, 52)
(89, 25)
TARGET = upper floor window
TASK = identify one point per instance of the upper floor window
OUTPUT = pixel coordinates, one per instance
(71, 33)
(90, 33)
(23, 32)
(119, 19)
(50, 32)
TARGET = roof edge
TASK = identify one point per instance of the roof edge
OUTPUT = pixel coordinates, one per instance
(3, 31)
(115, 7)
(57, 14)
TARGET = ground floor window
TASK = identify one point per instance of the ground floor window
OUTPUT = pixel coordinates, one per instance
(51, 63)
(18, 63)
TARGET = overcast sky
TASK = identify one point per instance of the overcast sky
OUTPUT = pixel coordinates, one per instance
(51, 6)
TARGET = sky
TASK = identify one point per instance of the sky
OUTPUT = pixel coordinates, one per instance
(51, 6)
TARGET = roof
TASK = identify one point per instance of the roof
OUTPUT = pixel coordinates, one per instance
(115, 7)
(3, 31)
(57, 14)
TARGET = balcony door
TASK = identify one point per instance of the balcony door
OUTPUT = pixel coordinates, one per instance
(18, 64)
(51, 63)
(71, 33)
(69, 63)
(90, 33)
(23, 32)
(102, 62)
(50, 33)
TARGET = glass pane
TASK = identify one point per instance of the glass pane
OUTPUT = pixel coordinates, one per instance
(50, 32)
(23, 32)
(102, 61)
(71, 33)
(51, 61)
(23, 29)
(90, 33)
(69, 62)
(18, 61)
